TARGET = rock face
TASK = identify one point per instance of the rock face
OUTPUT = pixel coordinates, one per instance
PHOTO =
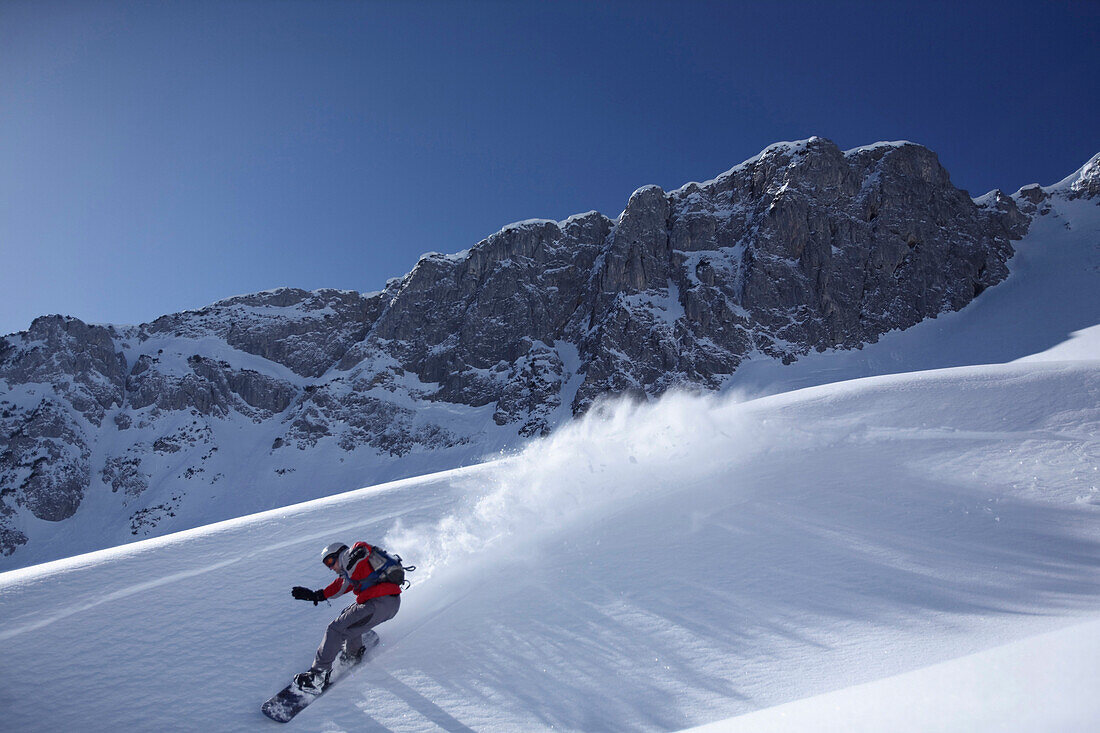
(803, 247)
(305, 331)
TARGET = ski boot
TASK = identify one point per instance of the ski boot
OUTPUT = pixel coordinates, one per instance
(349, 658)
(314, 681)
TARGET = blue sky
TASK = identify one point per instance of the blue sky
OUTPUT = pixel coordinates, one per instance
(158, 156)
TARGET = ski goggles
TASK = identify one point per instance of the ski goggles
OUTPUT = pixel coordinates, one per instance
(330, 560)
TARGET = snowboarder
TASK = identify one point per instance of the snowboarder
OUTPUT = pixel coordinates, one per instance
(376, 601)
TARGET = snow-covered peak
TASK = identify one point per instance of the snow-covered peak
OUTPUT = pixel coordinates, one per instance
(578, 217)
(988, 199)
(883, 145)
(643, 190)
(795, 150)
(528, 223)
(788, 147)
(451, 257)
(1083, 182)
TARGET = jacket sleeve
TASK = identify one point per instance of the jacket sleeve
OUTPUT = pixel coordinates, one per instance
(336, 588)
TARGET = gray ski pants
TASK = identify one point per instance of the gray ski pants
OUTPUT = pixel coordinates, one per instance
(348, 628)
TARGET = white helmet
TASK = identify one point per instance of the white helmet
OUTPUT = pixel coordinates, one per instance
(333, 554)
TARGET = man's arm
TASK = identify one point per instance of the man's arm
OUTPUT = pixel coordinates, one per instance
(335, 588)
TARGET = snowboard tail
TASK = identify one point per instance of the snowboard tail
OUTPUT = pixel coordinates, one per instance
(291, 700)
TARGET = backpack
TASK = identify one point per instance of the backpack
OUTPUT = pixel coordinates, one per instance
(386, 568)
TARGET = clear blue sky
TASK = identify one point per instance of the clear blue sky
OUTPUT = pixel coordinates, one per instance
(158, 156)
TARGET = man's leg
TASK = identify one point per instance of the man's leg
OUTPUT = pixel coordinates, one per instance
(384, 608)
(349, 627)
(337, 632)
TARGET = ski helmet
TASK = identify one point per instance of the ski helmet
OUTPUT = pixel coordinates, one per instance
(332, 553)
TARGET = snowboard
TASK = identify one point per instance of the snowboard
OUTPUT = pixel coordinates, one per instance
(291, 700)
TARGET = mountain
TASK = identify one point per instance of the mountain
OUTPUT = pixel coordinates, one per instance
(112, 433)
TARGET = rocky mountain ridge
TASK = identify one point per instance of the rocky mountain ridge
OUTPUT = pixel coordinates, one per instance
(263, 399)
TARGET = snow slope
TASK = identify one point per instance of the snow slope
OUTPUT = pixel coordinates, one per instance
(1043, 683)
(652, 568)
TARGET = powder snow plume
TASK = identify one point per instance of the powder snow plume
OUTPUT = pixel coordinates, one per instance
(620, 452)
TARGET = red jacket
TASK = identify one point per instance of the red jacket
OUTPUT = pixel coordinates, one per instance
(359, 571)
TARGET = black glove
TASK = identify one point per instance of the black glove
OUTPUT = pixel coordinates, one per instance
(356, 554)
(305, 594)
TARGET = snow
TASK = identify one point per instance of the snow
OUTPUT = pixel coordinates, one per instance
(646, 188)
(577, 217)
(1046, 682)
(662, 308)
(656, 567)
(1080, 346)
(1089, 170)
(877, 146)
(528, 223)
(173, 351)
(460, 256)
(793, 148)
(902, 538)
(986, 199)
(790, 147)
